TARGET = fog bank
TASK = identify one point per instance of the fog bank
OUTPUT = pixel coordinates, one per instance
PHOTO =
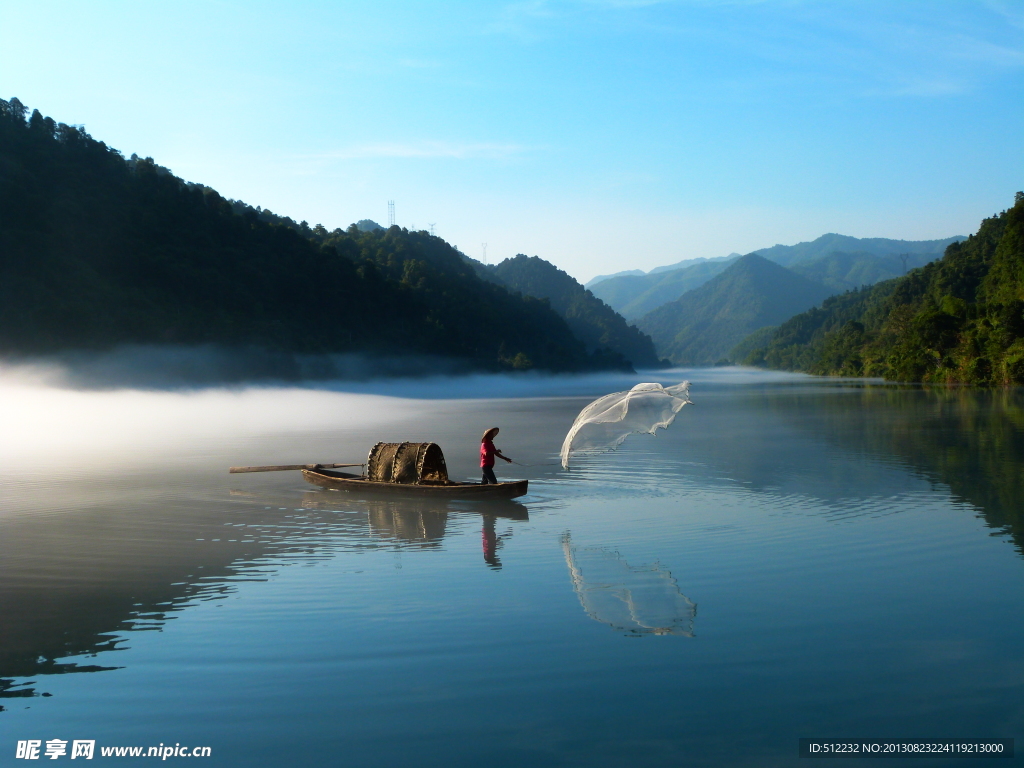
(177, 367)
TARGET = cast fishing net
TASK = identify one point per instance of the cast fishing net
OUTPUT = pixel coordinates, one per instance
(609, 420)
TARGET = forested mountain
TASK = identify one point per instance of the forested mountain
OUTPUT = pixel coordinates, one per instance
(843, 271)
(959, 320)
(98, 251)
(633, 296)
(838, 261)
(703, 325)
(789, 255)
(589, 318)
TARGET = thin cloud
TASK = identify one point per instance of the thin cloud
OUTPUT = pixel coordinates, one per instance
(1011, 12)
(985, 52)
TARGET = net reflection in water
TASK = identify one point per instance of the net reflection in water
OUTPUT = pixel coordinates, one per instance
(639, 600)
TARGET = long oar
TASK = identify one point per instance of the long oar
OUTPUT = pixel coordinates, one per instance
(282, 467)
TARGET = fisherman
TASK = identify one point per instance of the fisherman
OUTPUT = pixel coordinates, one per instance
(487, 454)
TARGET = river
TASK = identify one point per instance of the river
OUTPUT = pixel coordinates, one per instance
(793, 558)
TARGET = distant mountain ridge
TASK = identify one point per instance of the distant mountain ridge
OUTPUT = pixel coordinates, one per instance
(788, 255)
(685, 263)
(595, 280)
(633, 295)
(704, 324)
(678, 265)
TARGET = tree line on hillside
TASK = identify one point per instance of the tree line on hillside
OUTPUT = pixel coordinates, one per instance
(98, 251)
(592, 321)
(959, 320)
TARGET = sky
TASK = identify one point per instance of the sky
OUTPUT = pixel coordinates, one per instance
(601, 135)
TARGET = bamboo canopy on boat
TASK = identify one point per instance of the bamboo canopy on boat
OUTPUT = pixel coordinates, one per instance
(407, 464)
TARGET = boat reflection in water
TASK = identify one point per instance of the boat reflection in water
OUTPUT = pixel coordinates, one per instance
(422, 521)
(638, 600)
(71, 593)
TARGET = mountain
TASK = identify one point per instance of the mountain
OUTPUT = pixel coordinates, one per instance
(678, 265)
(691, 262)
(97, 251)
(599, 278)
(959, 320)
(589, 318)
(838, 261)
(843, 271)
(789, 255)
(634, 296)
(703, 325)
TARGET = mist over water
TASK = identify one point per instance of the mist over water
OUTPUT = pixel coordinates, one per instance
(96, 415)
(142, 366)
(779, 563)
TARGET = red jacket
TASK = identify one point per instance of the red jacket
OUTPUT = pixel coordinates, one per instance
(487, 450)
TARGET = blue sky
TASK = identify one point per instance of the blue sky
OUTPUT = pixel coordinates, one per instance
(599, 134)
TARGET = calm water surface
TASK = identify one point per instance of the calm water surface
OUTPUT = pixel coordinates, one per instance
(792, 558)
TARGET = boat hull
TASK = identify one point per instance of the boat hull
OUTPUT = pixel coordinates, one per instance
(339, 481)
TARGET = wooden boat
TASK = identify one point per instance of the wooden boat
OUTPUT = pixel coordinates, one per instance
(342, 481)
(416, 469)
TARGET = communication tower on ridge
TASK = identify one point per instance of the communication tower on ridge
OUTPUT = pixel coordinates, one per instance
(484, 246)
(431, 230)
(391, 213)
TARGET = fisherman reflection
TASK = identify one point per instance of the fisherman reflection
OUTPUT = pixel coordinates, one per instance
(487, 454)
(492, 541)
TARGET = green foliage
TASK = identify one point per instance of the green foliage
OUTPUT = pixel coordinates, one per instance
(589, 318)
(843, 271)
(521, 362)
(794, 344)
(703, 325)
(97, 251)
(756, 340)
(959, 320)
